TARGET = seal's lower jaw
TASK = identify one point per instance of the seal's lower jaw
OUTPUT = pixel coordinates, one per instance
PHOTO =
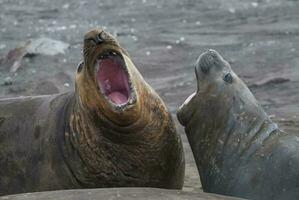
(112, 78)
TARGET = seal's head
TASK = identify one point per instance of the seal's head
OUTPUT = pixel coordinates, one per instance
(219, 89)
(105, 81)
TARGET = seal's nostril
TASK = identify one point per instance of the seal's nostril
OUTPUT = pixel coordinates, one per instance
(212, 53)
(99, 39)
(210, 58)
(206, 62)
(104, 36)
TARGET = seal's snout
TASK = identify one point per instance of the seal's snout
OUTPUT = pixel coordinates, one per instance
(99, 39)
(103, 37)
(98, 36)
(207, 60)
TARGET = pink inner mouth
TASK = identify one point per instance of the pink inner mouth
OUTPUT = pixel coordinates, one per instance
(113, 80)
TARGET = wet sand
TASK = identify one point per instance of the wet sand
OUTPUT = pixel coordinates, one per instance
(260, 39)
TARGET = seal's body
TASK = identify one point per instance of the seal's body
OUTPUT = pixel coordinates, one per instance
(113, 131)
(31, 144)
(238, 150)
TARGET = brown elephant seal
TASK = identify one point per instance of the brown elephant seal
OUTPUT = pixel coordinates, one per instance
(238, 150)
(112, 131)
(120, 194)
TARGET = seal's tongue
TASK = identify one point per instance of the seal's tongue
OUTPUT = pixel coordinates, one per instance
(113, 80)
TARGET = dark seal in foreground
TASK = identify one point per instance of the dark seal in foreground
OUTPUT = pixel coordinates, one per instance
(113, 131)
(238, 150)
(120, 194)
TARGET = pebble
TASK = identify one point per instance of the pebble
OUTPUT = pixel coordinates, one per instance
(254, 4)
(2, 46)
(66, 6)
(8, 81)
(169, 47)
(135, 38)
(73, 26)
(232, 10)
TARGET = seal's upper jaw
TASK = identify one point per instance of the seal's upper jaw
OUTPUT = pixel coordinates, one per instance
(112, 77)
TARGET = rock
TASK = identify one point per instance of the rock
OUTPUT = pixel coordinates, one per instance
(8, 81)
(44, 46)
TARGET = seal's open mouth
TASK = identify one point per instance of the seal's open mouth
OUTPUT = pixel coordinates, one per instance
(112, 77)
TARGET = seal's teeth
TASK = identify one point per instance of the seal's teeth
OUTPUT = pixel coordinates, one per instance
(118, 107)
(131, 101)
(113, 53)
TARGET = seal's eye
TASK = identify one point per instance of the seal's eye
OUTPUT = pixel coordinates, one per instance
(228, 78)
(99, 39)
(91, 41)
(80, 67)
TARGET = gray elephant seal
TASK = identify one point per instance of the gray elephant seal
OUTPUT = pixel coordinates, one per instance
(112, 131)
(238, 150)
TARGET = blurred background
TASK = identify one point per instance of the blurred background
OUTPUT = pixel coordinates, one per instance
(164, 37)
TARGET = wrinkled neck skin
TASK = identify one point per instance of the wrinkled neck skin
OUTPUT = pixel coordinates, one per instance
(224, 126)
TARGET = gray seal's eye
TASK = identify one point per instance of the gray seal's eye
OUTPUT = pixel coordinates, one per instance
(228, 78)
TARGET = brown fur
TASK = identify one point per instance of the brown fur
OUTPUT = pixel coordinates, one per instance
(80, 140)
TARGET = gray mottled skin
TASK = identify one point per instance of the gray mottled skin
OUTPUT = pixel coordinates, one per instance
(238, 150)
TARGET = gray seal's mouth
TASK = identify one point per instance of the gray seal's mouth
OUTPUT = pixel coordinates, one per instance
(113, 78)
